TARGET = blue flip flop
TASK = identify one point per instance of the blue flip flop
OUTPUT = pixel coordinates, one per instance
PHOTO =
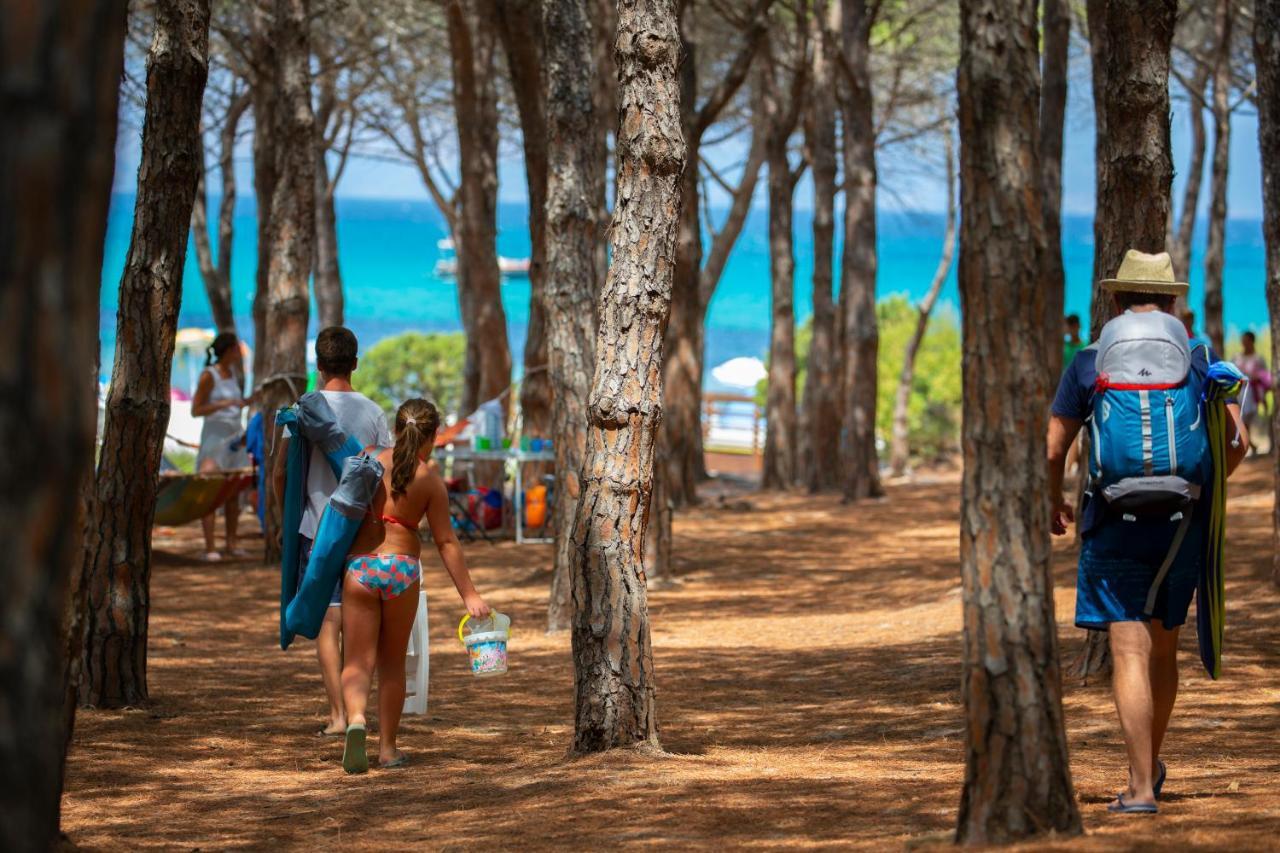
(1120, 806)
(1159, 780)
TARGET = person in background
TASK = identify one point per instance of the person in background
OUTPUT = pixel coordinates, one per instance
(1071, 343)
(219, 399)
(358, 416)
(255, 445)
(1254, 368)
(383, 577)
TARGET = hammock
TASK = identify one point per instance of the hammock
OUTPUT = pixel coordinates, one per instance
(1223, 382)
(183, 498)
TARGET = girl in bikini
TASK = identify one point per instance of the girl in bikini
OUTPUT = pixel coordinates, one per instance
(380, 590)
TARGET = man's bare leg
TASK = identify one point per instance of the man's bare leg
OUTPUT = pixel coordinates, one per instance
(1131, 648)
(1164, 683)
(329, 651)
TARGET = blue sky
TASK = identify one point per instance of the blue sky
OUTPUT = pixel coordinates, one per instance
(904, 184)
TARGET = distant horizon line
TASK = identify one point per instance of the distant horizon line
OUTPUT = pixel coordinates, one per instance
(248, 199)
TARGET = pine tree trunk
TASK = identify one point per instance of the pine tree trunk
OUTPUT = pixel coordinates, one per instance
(473, 45)
(1017, 778)
(1180, 237)
(1053, 108)
(1130, 41)
(328, 275)
(682, 447)
(291, 224)
(612, 650)
(575, 174)
(859, 462)
(216, 274)
(265, 118)
(780, 405)
(1134, 162)
(519, 26)
(59, 87)
(900, 448)
(1215, 251)
(681, 457)
(117, 547)
(604, 15)
(821, 413)
(1266, 52)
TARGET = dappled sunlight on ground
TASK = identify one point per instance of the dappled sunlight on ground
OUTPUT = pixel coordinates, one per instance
(808, 671)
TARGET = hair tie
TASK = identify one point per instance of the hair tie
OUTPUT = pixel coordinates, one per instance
(408, 421)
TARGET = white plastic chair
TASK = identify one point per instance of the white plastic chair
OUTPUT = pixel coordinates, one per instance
(417, 664)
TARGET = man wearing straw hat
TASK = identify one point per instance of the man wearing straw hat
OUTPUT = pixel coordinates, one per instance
(1143, 535)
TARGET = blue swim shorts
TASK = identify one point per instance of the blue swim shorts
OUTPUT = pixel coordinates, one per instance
(1119, 561)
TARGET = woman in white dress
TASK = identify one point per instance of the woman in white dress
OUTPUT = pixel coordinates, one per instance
(219, 399)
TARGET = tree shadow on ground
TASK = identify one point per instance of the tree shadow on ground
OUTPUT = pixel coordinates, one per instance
(808, 672)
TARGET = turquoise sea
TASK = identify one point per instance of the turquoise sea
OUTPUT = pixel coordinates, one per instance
(388, 249)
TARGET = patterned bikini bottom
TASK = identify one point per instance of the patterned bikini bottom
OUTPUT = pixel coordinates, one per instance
(388, 575)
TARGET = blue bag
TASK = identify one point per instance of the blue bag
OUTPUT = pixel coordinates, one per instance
(1150, 454)
(291, 516)
(346, 511)
(311, 422)
(1150, 451)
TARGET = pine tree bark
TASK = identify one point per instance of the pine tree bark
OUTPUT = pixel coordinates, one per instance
(291, 224)
(59, 87)
(782, 112)
(1266, 52)
(117, 546)
(1053, 109)
(216, 274)
(1017, 777)
(519, 25)
(1131, 41)
(859, 461)
(821, 446)
(575, 175)
(612, 648)
(473, 46)
(1180, 236)
(900, 448)
(1215, 250)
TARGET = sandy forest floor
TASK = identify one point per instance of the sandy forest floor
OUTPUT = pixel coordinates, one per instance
(808, 671)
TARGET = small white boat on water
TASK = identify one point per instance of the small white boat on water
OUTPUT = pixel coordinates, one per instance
(447, 266)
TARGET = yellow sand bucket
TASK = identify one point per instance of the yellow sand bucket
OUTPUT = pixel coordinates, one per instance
(486, 642)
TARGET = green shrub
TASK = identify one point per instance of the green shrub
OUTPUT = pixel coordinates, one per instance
(933, 409)
(413, 364)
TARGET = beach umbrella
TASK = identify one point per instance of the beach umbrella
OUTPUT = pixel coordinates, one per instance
(741, 372)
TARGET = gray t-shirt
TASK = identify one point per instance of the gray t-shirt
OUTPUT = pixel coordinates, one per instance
(359, 417)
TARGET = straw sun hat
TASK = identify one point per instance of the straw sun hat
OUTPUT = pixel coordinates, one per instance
(1145, 273)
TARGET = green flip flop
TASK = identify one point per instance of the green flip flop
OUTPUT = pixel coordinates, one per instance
(354, 757)
(399, 761)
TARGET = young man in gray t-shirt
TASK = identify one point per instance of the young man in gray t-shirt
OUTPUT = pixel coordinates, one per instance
(360, 417)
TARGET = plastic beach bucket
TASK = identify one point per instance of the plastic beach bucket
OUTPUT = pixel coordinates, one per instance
(486, 642)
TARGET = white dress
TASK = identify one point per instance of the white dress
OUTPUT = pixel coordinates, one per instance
(222, 435)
